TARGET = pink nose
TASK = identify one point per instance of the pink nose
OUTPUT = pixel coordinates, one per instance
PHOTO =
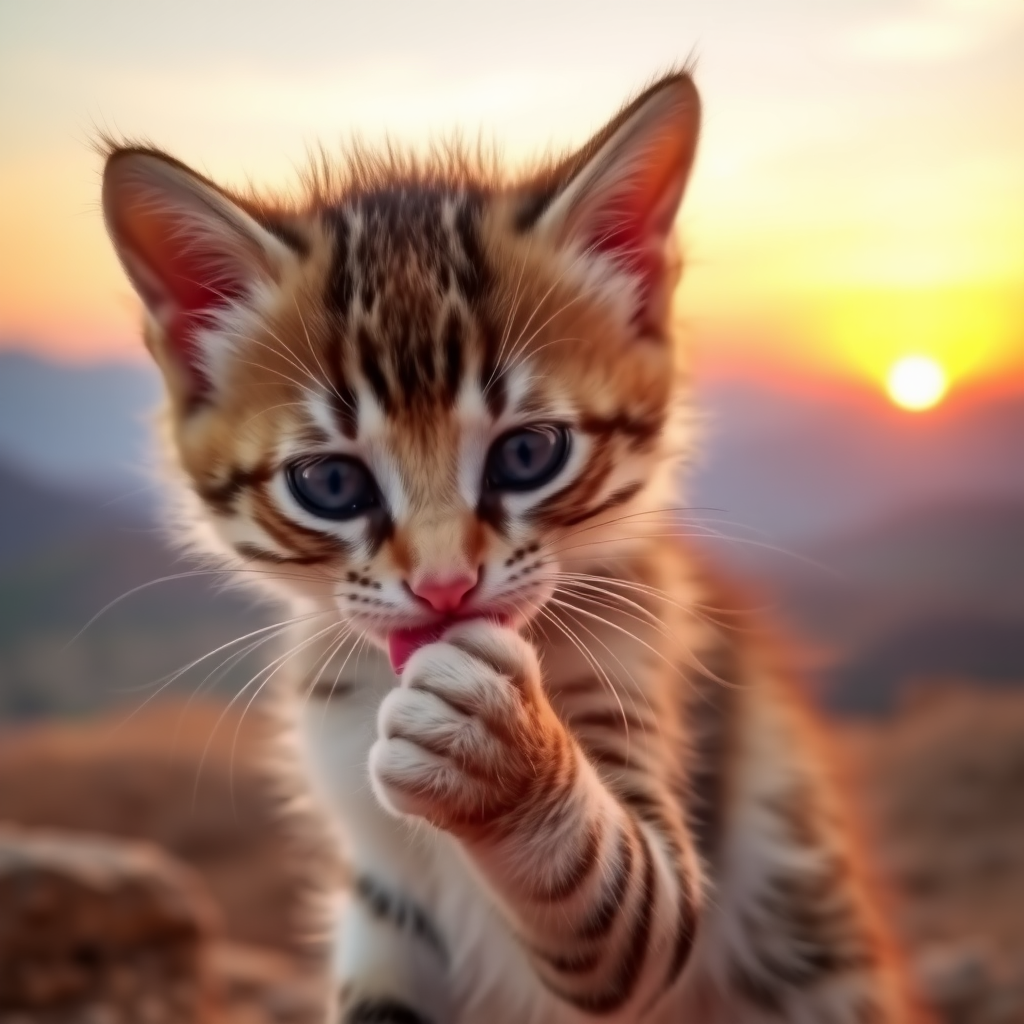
(444, 594)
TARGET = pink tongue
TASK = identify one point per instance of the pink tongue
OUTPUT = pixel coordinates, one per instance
(404, 643)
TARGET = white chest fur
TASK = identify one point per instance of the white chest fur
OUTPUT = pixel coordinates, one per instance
(488, 973)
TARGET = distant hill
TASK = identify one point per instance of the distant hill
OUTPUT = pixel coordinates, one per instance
(801, 467)
(72, 558)
(920, 597)
(902, 539)
(939, 650)
(33, 514)
(793, 463)
(79, 426)
(959, 554)
(928, 595)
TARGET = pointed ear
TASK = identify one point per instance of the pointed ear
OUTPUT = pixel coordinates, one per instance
(189, 250)
(620, 194)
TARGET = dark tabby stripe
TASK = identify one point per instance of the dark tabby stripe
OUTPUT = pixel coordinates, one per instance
(254, 553)
(710, 711)
(576, 874)
(221, 496)
(283, 230)
(609, 950)
(491, 510)
(330, 689)
(619, 497)
(603, 917)
(649, 807)
(453, 341)
(616, 719)
(608, 757)
(554, 510)
(492, 376)
(639, 430)
(382, 1011)
(624, 981)
(380, 528)
(471, 270)
(577, 962)
(340, 286)
(400, 911)
(686, 935)
(369, 363)
(761, 991)
(636, 948)
(343, 400)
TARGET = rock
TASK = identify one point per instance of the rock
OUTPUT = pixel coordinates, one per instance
(260, 986)
(95, 931)
(966, 983)
(174, 775)
(956, 980)
(940, 791)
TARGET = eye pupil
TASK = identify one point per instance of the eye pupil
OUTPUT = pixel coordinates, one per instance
(527, 458)
(333, 487)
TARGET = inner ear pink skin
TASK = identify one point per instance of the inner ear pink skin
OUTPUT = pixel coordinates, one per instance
(647, 265)
(189, 282)
(185, 259)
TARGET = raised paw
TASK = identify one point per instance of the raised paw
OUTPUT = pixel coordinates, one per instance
(468, 738)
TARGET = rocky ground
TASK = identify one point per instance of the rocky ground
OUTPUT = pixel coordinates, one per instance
(941, 791)
(146, 856)
(166, 818)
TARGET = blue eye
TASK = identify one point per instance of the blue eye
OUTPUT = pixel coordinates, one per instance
(526, 459)
(334, 487)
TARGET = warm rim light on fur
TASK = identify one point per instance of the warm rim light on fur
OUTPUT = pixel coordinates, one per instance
(568, 786)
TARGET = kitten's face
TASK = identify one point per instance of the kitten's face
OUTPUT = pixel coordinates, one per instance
(422, 398)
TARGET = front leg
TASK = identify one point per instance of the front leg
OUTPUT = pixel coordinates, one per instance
(602, 889)
(390, 963)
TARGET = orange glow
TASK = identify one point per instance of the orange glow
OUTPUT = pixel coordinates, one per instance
(916, 383)
(969, 329)
(819, 242)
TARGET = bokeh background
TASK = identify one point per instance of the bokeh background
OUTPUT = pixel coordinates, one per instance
(858, 201)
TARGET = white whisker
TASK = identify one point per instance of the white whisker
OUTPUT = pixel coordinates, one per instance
(590, 659)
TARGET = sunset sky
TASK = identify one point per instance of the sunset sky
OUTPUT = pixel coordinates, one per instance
(859, 196)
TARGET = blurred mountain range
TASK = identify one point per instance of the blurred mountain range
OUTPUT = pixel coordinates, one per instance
(79, 426)
(932, 594)
(893, 545)
(72, 558)
(802, 466)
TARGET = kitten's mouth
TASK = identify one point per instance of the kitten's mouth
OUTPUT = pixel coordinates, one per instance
(404, 643)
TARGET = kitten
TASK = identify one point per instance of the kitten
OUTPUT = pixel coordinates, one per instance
(440, 410)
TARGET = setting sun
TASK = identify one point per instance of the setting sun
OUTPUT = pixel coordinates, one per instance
(916, 383)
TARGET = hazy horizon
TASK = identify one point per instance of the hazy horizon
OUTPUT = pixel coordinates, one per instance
(857, 196)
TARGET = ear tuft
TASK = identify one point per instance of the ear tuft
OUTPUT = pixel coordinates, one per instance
(189, 250)
(619, 195)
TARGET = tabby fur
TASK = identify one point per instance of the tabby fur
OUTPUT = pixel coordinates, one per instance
(593, 796)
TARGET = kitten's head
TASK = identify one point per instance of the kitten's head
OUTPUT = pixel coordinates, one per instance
(423, 391)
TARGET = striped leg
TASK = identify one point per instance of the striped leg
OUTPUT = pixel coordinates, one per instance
(603, 888)
(606, 898)
(795, 938)
(390, 963)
